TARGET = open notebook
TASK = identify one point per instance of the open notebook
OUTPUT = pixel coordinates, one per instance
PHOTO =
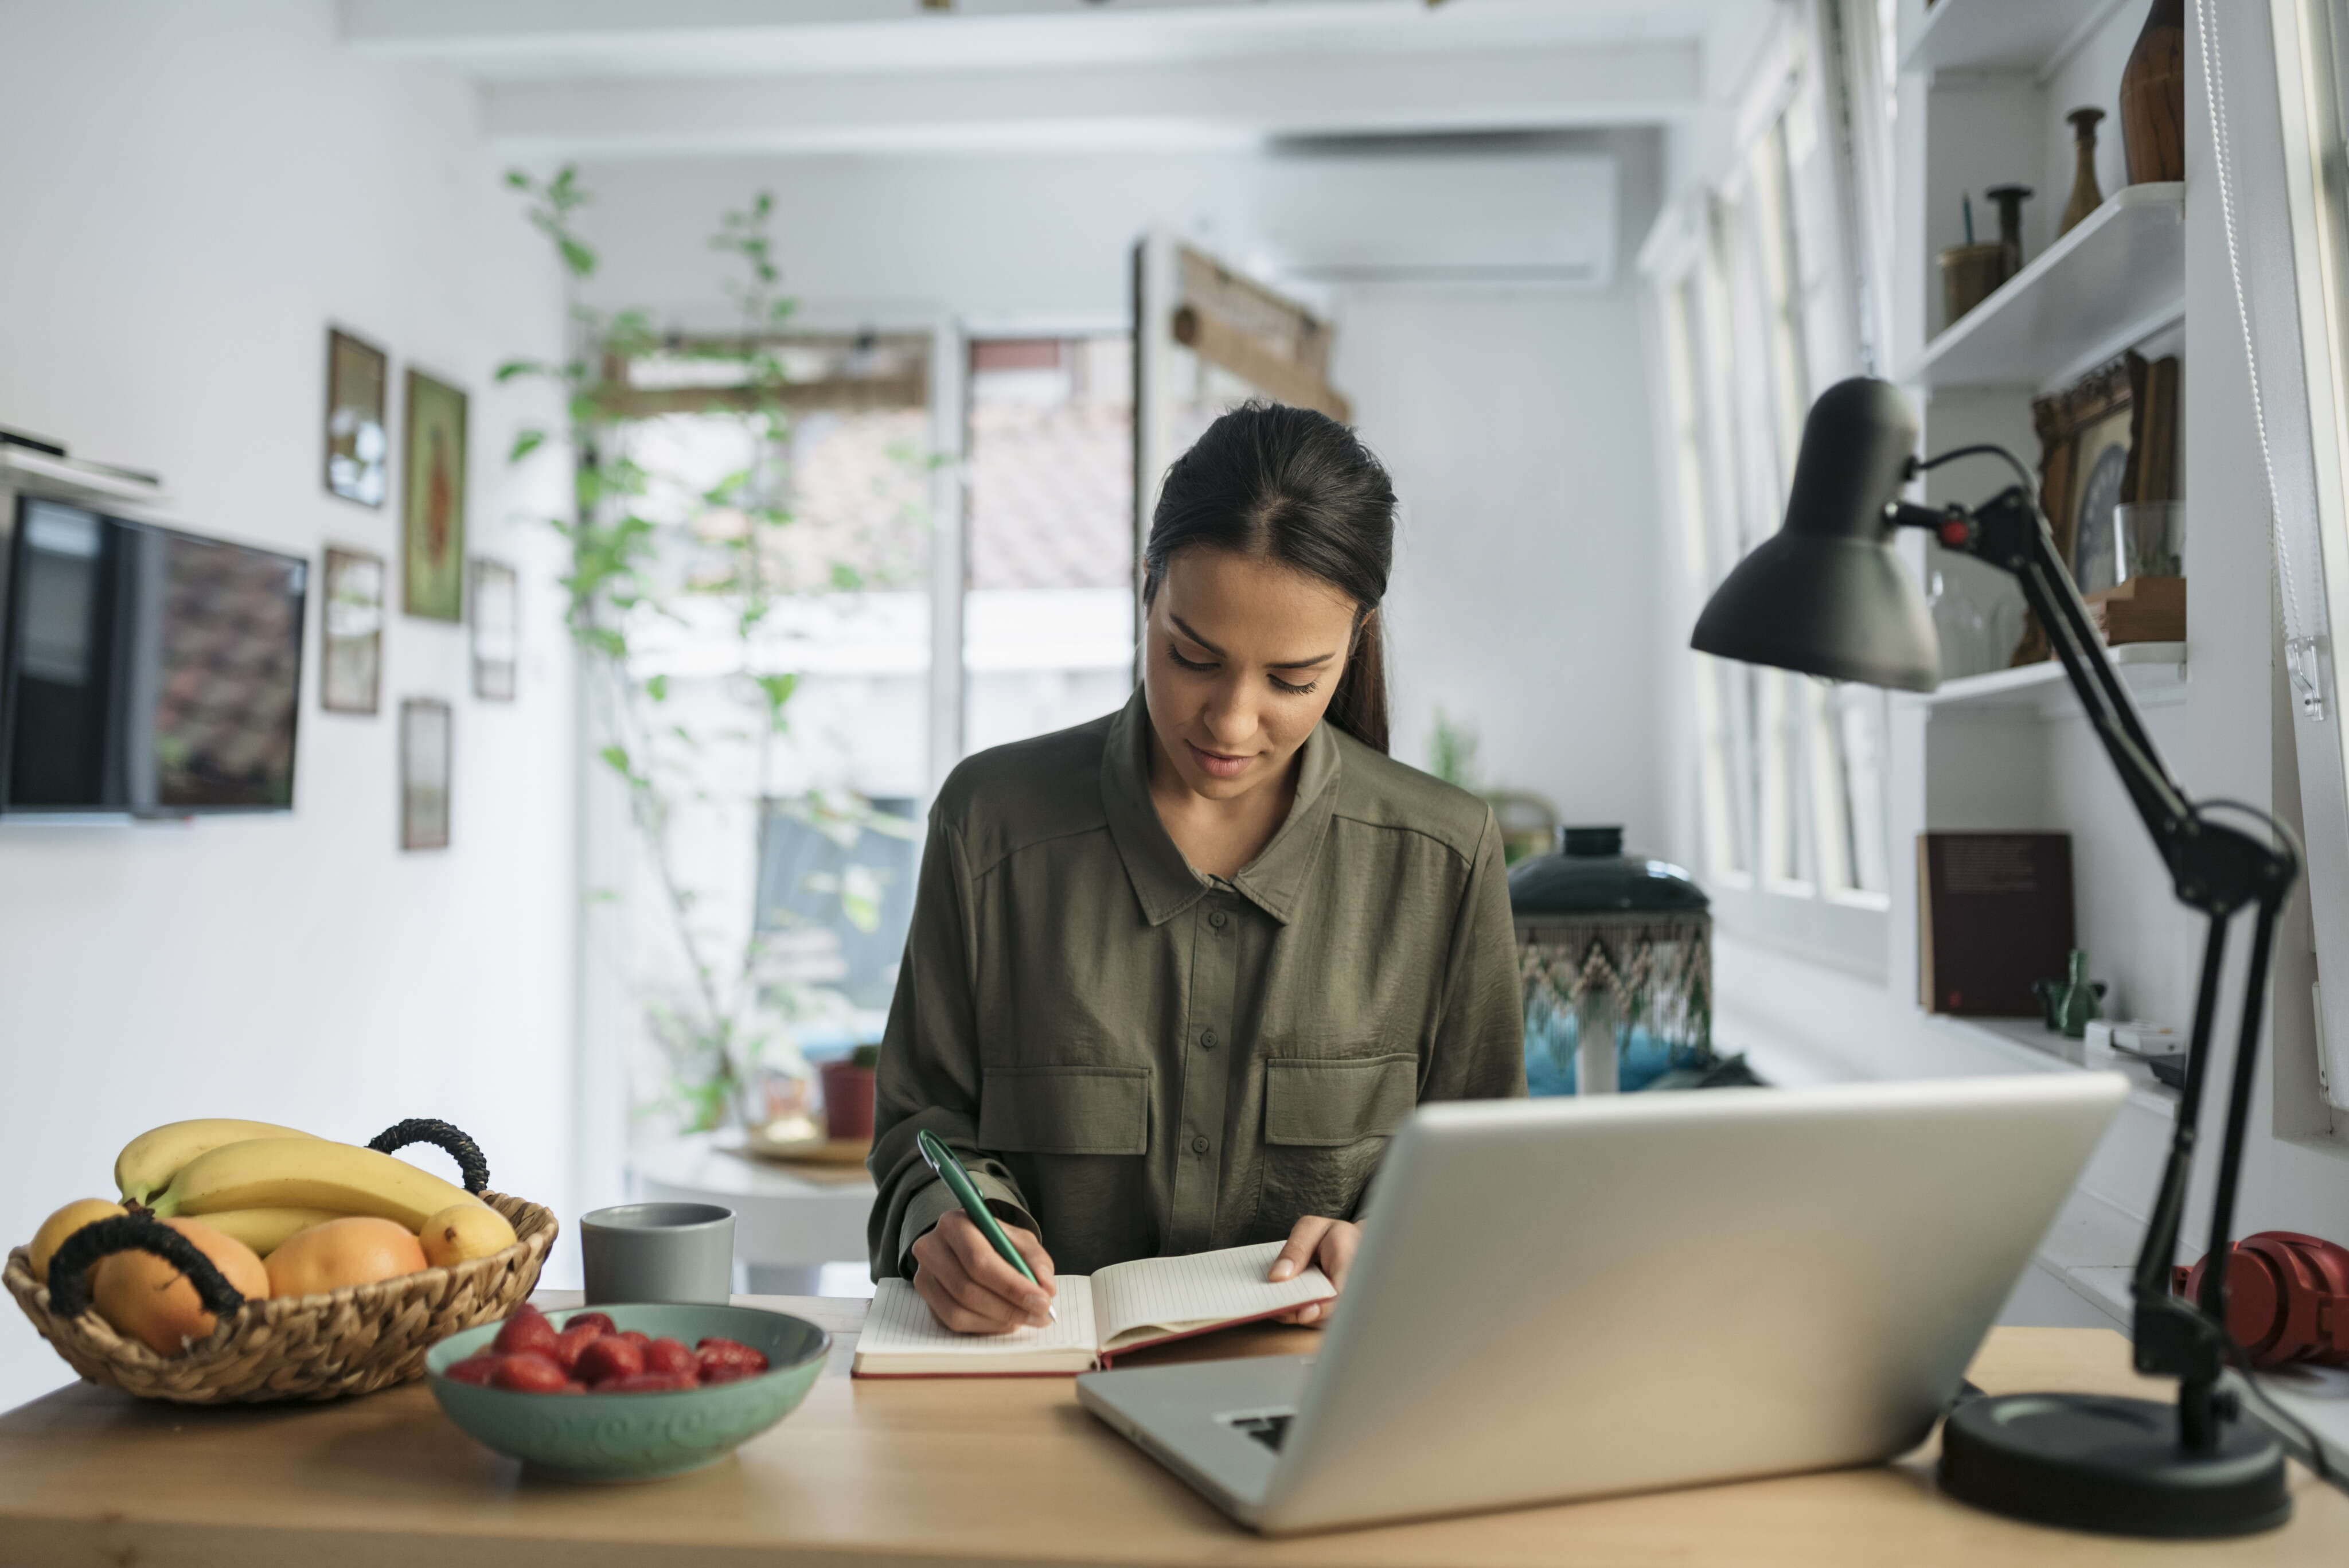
(1124, 1307)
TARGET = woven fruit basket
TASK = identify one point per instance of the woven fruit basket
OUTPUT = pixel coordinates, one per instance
(284, 1349)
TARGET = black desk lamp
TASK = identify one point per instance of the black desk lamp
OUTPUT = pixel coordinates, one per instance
(1827, 596)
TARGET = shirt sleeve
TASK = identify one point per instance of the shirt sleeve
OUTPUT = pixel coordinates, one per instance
(929, 1074)
(1480, 1043)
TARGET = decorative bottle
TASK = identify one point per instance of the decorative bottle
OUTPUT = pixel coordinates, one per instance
(2086, 194)
(2081, 1005)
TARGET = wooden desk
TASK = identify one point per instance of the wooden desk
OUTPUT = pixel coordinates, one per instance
(983, 1471)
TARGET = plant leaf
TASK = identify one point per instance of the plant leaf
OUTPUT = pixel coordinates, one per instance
(778, 689)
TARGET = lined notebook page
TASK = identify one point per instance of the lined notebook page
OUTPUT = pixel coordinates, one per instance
(1203, 1287)
(900, 1324)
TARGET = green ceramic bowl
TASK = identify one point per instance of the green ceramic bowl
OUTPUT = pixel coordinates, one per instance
(638, 1437)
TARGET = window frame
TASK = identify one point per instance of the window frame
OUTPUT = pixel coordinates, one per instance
(1807, 866)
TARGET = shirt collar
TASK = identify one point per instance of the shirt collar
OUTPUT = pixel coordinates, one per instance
(1162, 881)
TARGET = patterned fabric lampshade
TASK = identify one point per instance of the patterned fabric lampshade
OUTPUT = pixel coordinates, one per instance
(1615, 954)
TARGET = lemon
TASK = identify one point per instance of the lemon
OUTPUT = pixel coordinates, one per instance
(54, 1230)
(462, 1232)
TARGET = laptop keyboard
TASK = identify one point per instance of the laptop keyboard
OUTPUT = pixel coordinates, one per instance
(1267, 1429)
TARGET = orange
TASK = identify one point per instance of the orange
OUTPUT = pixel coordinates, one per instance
(357, 1250)
(149, 1299)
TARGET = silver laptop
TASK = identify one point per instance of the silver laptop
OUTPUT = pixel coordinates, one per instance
(1566, 1298)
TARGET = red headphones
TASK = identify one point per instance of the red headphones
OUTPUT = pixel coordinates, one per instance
(2287, 1298)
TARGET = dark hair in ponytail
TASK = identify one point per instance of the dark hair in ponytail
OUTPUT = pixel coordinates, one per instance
(1293, 486)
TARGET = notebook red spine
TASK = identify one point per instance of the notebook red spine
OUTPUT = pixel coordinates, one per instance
(1108, 1359)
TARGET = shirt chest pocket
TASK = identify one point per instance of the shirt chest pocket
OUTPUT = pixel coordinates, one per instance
(1065, 1110)
(1331, 1101)
(1326, 1121)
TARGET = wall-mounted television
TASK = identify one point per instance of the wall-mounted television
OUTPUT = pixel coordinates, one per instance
(145, 671)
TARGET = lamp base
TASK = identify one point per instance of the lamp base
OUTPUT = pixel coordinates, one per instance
(2084, 1461)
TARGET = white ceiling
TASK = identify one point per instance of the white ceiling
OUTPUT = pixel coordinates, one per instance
(586, 79)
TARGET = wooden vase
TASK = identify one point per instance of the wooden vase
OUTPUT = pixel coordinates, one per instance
(2153, 97)
(2086, 194)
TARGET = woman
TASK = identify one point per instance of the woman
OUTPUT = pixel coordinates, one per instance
(1174, 975)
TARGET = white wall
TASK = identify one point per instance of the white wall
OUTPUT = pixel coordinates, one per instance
(1515, 420)
(1530, 567)
(194, 193)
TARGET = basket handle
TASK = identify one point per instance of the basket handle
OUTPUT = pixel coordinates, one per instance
(69, 1265)
(471, 1161)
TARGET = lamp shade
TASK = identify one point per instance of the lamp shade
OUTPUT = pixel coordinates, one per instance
(1826, 595)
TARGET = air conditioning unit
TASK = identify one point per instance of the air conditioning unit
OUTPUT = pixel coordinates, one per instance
(1440, 216)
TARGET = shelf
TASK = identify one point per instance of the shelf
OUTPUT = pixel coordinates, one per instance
(2000, 35)
(2034, 1047)
(2155, 673)
(2119, 278)
(67, 480)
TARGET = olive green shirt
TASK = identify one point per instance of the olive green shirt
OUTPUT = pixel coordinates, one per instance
(1136, 1060)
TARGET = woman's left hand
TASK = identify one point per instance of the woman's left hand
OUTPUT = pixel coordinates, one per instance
(1317, 1240)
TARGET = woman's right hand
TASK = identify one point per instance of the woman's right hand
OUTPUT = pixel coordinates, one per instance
(969, 1287)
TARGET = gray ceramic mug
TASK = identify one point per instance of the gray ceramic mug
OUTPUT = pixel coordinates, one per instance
(658, 1252)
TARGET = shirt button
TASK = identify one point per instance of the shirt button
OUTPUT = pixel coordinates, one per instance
(1206, 1039)
(1217, 920)
(1198, 1146)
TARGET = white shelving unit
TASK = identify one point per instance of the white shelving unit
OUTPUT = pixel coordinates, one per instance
(2113, 281)
(1988, 87)
(1991, 81)
(2155, 673)
(2000, 35)
(2034, 1047)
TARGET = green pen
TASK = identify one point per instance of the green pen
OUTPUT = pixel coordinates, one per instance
(950, 1171)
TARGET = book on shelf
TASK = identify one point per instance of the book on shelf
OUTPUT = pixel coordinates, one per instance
(1994, 917)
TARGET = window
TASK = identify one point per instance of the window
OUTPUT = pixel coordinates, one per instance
(1755, 309)
(2289, 286)
(1720, 801)
(788, 858)
(1048, 628)
(767, 890)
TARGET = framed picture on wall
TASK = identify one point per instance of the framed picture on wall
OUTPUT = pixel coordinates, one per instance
(425, 727)
(2083, 450)
(497, 623)
(358, 437)
(350, 673)
(432, 501)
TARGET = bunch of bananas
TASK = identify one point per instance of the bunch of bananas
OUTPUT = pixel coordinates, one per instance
(264, 1184)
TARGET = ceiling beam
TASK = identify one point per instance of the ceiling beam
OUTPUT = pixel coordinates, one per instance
(553, 40)
(1223, 102)
(440, 25)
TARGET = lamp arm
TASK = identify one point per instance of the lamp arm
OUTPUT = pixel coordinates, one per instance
(2008, 533)
(2214, 868)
